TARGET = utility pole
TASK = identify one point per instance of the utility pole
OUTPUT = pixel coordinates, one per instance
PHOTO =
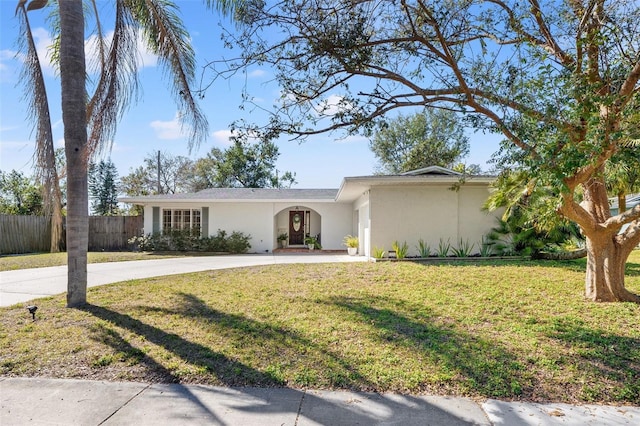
(159, 185)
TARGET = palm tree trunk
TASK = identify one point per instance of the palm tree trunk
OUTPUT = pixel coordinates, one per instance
(74, 112)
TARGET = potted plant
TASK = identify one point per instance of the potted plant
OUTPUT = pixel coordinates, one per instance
(352, 244)
(282, 239)
(312, 243)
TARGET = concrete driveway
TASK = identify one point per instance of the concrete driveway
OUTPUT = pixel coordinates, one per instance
(26, 285)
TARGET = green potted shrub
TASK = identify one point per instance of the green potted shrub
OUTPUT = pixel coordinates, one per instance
(312, 243)
(352, 244)
(282, 240)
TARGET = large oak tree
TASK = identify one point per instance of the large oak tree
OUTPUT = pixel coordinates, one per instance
(558, 79)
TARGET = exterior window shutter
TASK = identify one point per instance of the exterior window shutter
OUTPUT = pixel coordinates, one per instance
(204, 225)
(156, 220)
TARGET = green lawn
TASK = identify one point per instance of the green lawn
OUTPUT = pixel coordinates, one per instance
(41, 260)
(508, 330)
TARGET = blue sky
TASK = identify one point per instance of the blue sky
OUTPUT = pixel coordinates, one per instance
(151, 125)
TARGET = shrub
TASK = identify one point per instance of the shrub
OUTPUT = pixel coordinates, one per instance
(378, 252)
(351, 241)
(216, 243)
(188, 240)
(423, 248)
(443, 248)
(463, 250)
(486, 248)
(238, 242)
(313, 239)
(400, 249)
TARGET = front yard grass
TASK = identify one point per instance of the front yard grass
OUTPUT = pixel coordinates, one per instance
(42, 260)
(501, 330)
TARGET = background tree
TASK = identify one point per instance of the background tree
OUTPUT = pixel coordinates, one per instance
(103, 188)
(559, 80)
(244, 165)
(170, 175)
(430, 138)
(19, 195)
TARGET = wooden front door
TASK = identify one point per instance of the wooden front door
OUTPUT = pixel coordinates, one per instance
(296, 227)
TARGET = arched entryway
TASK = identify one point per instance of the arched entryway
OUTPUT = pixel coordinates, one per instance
(297, 222)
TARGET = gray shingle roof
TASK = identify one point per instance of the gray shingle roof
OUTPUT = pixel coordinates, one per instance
(243, 194)
(266, 194)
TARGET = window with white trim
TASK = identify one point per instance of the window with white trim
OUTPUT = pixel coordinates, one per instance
(179, 219)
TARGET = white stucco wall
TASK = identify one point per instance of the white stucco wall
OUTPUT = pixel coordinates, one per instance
(362, 224)
(433, 213)
(254, 219)
(263, 220)
(474, 224)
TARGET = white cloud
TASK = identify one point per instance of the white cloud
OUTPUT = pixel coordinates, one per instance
(59, 143)
(332, 106)
(256, 73)
(168, 129)
(145, 57)
(221, 137)
(43, 43)
(6, 56)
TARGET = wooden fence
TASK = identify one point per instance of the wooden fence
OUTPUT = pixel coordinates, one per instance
(24, 234)
(30, 234)
(110, 233)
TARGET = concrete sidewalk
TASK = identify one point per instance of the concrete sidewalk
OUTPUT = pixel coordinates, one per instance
(25, 285)
(79, 402)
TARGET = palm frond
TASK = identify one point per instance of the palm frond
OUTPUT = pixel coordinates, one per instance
(226, 7)
(166, 36)
(118, 82)
(100, 38)
(35, 93)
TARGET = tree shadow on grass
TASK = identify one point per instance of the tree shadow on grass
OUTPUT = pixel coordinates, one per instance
(611, 363)
(277, 345)
(206, 402)
(480, 367)
(580, 266)
(228, 371)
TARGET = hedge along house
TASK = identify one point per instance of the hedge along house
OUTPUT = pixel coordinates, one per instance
(420, 204)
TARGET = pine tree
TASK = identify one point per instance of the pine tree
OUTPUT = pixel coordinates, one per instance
(103, 188)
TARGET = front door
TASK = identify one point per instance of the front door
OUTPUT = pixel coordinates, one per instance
(296, 227)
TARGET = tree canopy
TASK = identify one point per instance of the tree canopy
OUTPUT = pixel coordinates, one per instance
(428, 138)
(558, 79)
(103, 188)
(19, 194)
(242, 165)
